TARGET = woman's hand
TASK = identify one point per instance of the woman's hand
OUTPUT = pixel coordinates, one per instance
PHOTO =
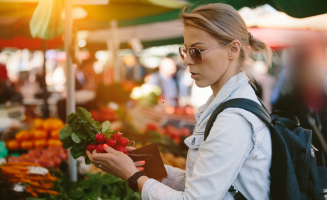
(115, 162)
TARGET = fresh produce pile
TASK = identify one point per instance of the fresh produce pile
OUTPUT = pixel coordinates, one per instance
(27, 173)
(49, 157)
(92, 187)
(105, 113)
(170, 159)
(43, 133)
(186, 110)
(176, 134)
(84, 133)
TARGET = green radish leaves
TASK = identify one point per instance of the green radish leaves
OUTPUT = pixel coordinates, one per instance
(80, 132)
(106, 126)
(75, 138)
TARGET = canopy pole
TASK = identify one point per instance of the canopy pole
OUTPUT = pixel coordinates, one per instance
(45, 107)
(115, 48)
(70, 105)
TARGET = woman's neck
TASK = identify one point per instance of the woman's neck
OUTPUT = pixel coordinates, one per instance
(216, 87)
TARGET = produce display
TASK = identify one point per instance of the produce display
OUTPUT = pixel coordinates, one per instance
(105, 113)
(44, 133)
(84, 133)
(38, 179)
(94, 186)
(49, 157)
(46, 143)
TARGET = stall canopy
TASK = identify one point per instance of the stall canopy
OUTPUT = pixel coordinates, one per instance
(275, 28)
(16, 14)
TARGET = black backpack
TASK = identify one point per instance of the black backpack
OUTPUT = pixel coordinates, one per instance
(293, 173)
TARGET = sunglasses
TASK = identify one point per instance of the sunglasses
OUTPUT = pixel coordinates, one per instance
(195, 53)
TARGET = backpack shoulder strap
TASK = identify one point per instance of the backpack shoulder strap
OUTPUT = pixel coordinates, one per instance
(246, 104)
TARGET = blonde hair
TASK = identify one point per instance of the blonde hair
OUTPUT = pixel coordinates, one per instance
(225, 24)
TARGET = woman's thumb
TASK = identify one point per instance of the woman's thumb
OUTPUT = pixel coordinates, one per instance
(109, 149)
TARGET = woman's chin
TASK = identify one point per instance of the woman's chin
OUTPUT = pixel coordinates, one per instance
(201, 84)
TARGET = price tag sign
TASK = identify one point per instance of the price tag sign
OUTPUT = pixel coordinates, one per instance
(38, 170)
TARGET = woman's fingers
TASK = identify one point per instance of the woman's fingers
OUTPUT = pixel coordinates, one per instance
(130, 148)
(110, 150)
(139, 163)
(140, 168)
(89, 155)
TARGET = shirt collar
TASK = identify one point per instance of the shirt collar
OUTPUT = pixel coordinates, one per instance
(232, 84)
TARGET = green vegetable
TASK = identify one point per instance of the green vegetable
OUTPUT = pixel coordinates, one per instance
(106, 126)
(65, 134)
(93, 187)
(75, 138)
(80, 132)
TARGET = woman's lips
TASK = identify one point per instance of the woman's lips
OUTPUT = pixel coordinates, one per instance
(194, 75)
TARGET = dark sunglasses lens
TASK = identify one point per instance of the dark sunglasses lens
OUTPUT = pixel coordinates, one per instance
(196, 55)
(182, 52)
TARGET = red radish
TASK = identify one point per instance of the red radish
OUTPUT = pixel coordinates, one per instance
(124, 142)
(120, 148)
(117, 137)
(100, 149)
(111, 142)
(100, 138)
(91, 147)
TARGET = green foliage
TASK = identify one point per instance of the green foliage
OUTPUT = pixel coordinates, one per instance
(80, 132)
(95, 186)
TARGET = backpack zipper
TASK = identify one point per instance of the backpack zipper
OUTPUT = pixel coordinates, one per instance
(314, 147)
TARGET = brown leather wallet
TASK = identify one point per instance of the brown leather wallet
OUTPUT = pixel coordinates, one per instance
(153, 167)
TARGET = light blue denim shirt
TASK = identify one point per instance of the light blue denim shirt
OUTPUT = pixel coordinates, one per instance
(237, 152)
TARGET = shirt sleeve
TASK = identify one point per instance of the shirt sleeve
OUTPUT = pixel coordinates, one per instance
(175, 178)
(218, 162)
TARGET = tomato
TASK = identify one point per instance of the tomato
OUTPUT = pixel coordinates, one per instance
(12, 144)
(57, 161)
(26, 145)
(45, 162)
(54, 143)
(185, 132)
(152, 127)
(35, 152)
(27, 158)
(40, 143)
(94, 114)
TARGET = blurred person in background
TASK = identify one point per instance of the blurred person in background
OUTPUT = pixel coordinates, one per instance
(304, 94)
(184, 80)
(166, 79)
(7, 91)
(264, 81)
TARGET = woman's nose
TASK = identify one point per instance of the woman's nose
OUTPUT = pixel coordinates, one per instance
(188, 60)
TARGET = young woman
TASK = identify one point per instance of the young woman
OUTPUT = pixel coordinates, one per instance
(238, 150)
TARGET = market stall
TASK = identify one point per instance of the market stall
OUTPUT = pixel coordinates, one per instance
(42, 160)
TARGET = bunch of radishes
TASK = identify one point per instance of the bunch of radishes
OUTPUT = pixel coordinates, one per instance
(116, 141)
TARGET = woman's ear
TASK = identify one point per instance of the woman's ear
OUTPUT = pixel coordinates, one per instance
(234, 49)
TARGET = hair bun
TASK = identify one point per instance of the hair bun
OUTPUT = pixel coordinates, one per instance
(250, 36)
